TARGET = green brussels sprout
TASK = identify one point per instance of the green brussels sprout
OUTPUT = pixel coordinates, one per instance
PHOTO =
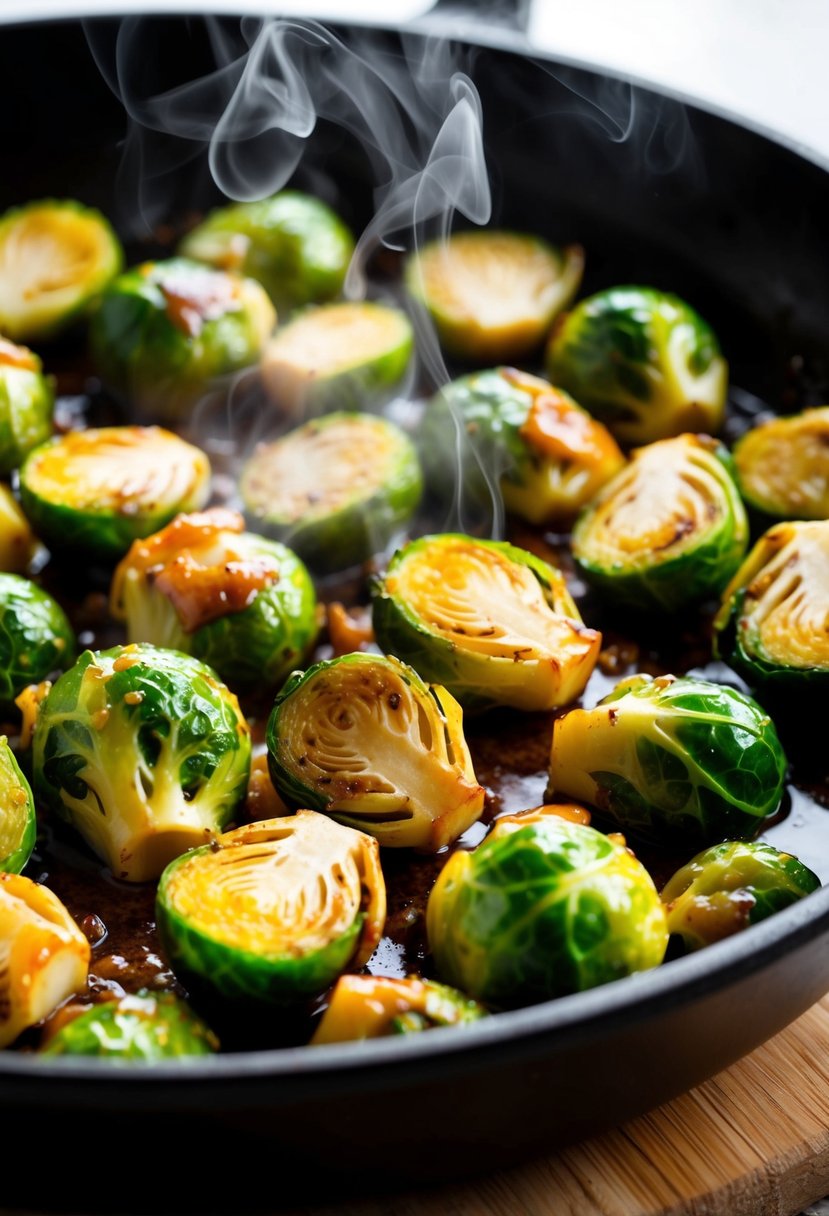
(362, 738)
(99, 490)
(543, 908)
(672, 759)
(144, 752)
(349, 355)
(291, 243)
(17, 540)
(643, 361)
(35, 637)
(56, 257)
(273, 911)
(494, 624)
(144, 1026)
(730, 886)
(237, 601)
(782, 466)
(372, 1006)
(18, 824)
(164, 330)
(337, 489)
(667, 531)
(27, 399)
(493, 295)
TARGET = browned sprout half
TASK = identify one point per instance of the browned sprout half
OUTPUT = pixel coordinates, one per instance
(783, 466)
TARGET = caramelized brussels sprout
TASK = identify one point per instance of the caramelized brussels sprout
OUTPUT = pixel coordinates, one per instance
(731, 886)
(543, 908)
(56, 257)
(495, 624)
(672, 759)
(99, 490)
(337, 489)
(493, 295)
(291, 243)
(273, 911)
(348, 355)
(164, 330)
(144, 752)
(144, 1026)
(242, 603)
(643, 361)
(17, 541)
(18, 826)
(372, 1006)
(27, 399)
(782, 466)
(363, 739)
(43, 955)
(35, 637)
(666, 532)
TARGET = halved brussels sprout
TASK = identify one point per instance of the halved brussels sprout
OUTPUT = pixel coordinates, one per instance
(337, 489)
(495, 624)
(668, 531)
(144, 1026)
(43, 955)
(372, 1006)
(273, 911)
(642, 361)
(164, 330)
(293, 244)
(27, 399)
(363, 739)
(493, 295)
(783, 466)
(17, 540)
(99, 490)
(731, 886)
(672, 759)
(242, 603)
(543, 908)
(144, 752)
(35, 637)
(56, 257)
(346, 356)
(18, 825)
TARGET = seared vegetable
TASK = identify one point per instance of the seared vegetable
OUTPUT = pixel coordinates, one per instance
(676, 760)
(783, 466)
(495, 624)
(543, 908)
(667, 531)
(35, 637)
(56, 257)
(98, 490)
(17, 541)
(339, 356)
(363, 739)
(493, 295)
(144, 1026)
(18, 826)
(291, 243)
(43, 955)
(165, 330)
(144, 752)
(643, 361)
(371, 1006)
(731, 886)
(27, 399)
(336, 489)
(240, 602)
(273, 911)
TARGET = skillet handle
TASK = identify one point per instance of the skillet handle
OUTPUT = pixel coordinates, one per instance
(507, 15)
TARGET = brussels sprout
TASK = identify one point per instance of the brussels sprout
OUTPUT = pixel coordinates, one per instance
(673, 759)
(371, 1006)
(363, 739)
(144, 752)
(543, 908)
(55, 258)
(27, 399)
(782, 466)
(493, 295)
(337, 489)
(495, 624)
(642, 361)
(291, 243)
(165, 330)
(241, 603)
(43, 955)
(145, 1026)
(18, 825)
(731, 886)
(35, 637)
(17, 541)
(339, 356)
(99, 490)
(668, 530)
(273, 911)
